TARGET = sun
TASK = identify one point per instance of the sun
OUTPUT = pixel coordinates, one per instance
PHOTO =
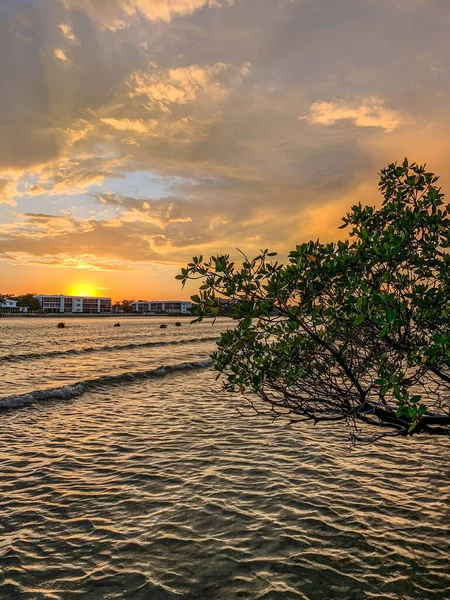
(82, 289)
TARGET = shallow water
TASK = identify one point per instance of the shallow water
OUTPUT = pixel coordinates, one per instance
(153, 487)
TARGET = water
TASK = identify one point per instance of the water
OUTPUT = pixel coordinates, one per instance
(150, 486)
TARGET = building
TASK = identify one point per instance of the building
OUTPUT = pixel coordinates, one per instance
(8, 305)
(74, 304)
(162, 307)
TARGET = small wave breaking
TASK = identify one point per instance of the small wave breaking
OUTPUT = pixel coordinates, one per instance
(68, 392)
(91, 349)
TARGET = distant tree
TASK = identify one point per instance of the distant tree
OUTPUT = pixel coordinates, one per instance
(28, 300)
(355, 331)
(124, 305)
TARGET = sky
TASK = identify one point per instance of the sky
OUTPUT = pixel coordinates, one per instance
(135, 134)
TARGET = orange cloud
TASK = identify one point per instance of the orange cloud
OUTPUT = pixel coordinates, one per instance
(59, 53)
(186, 84)
(7, 191)
(115, 13)
(136, 125)
(370, 112)
(68, 33)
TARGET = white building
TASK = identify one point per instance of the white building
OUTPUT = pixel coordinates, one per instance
(74, 304)
(162, 307)
(8, 305)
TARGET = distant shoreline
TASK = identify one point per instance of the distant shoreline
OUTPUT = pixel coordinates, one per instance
(90, 315)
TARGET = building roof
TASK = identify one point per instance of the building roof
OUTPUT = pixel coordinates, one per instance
(64, 296)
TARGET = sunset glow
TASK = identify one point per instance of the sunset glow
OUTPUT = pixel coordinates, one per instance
(83, 289)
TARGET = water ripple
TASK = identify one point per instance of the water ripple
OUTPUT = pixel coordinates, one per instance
(154, 488)
(109, 348)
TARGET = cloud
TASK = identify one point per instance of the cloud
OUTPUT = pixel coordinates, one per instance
(73, 175)
(185, 84)
(37, 226)
(162, 212)
(85, 262)
(162, 111)
(136, 125)
(113, 14)
(369, 112)
(7, 191)
(68, 33)
(409, 4)
(59, 53)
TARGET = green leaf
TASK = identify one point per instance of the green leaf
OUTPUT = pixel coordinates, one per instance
(391, 313)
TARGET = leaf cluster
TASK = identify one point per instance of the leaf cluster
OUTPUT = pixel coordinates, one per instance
(356, 330)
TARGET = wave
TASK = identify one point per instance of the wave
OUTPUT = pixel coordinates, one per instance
(75, 351)
(67, 392)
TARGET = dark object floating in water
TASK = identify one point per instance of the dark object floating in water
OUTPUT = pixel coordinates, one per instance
(163, 326)
(61, 325)
(117, 325)
(177, 324)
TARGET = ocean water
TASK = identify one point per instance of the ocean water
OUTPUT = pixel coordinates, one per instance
(125, 474)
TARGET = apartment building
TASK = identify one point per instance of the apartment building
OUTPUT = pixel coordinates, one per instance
(74, 304)
(162, 307)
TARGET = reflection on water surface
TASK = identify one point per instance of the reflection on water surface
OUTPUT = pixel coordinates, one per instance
(156, 489)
